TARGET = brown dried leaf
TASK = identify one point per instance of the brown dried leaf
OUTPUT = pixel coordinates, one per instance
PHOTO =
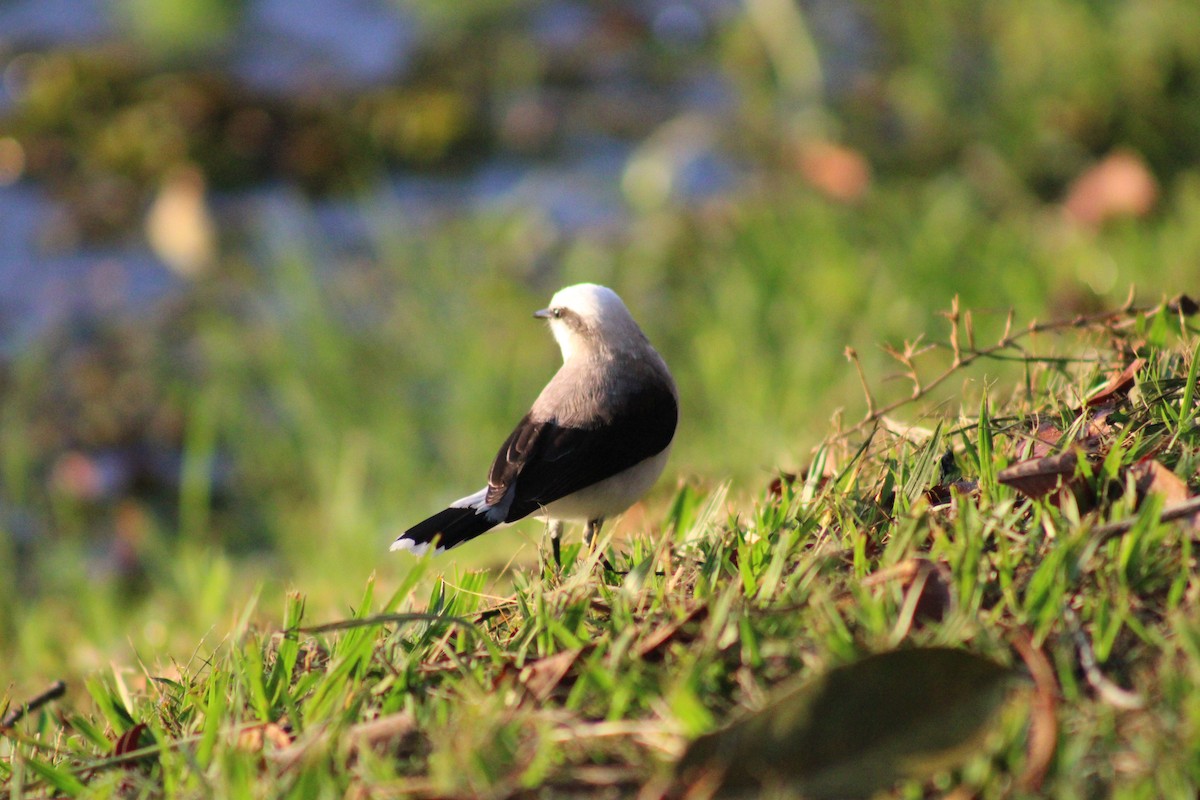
(905, 571)
(251, 738)
(651, 645)
(1044, 439)
(943, 493)
(1153, 478)
(1098, 429)
(1118, 385)
(540, 678)
(1037, 477)
(838, 172)
(935, 599)
(377, 734)
(775, 489)
(275, 735)
(130, 740)
(380, 732)
(1079, 491)
(1183, 305)
(259, 737)
(1120, 185)
(929, 580)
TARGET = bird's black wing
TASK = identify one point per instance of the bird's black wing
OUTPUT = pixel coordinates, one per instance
(544, 461)
(523, 446)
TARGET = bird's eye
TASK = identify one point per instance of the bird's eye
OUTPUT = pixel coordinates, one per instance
(556, 313)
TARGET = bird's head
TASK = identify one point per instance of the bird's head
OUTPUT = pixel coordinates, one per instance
(586, 317)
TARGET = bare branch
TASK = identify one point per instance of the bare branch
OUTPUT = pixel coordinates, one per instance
(55, 691)
(852, 356)
(1010, 340)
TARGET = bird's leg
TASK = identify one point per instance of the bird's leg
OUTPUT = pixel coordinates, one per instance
(555, 529)
(591, 533)
(591, 539)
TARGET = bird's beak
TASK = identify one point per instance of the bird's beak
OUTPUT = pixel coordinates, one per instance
(543, 314)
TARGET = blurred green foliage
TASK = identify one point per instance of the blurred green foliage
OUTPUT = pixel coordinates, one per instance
(1038, 88)
(345, 399)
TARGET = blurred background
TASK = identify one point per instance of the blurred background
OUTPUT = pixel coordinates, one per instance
(267, 266)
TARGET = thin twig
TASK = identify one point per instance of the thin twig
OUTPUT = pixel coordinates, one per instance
(852, 357)
(383, 619)
(1008, 340)
(1102, 533)
(56, 690)
(1106, 690)
(1024, 358)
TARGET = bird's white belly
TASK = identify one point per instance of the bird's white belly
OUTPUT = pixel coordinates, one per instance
(610, 496)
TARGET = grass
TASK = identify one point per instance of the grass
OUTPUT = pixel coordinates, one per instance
(449, 682)
(320, 404)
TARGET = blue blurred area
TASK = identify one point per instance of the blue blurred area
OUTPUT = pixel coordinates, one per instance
(559, 148)
(286, 46)
(42, 286)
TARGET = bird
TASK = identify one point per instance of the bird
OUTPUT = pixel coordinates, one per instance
(595, 440)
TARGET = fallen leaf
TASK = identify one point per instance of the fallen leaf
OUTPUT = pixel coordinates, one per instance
(380, 732)
(1038, 477)
(1151, 477)
(80, 477)
(1105, 532)
(926, 586)
(259, 736)
(130, 741)
(1183, 305)
(943, 493)
(913, 433)
(775, 489)
(857, 729)
(650, 647)
(1098, 429)
(1119, 185)
(250, 739)
(390, 731)
(1118, 385)
(836, 171)
(1044, 439)
(179, 225)
(541, 677)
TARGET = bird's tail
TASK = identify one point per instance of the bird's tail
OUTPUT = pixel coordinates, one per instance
(444, 530)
